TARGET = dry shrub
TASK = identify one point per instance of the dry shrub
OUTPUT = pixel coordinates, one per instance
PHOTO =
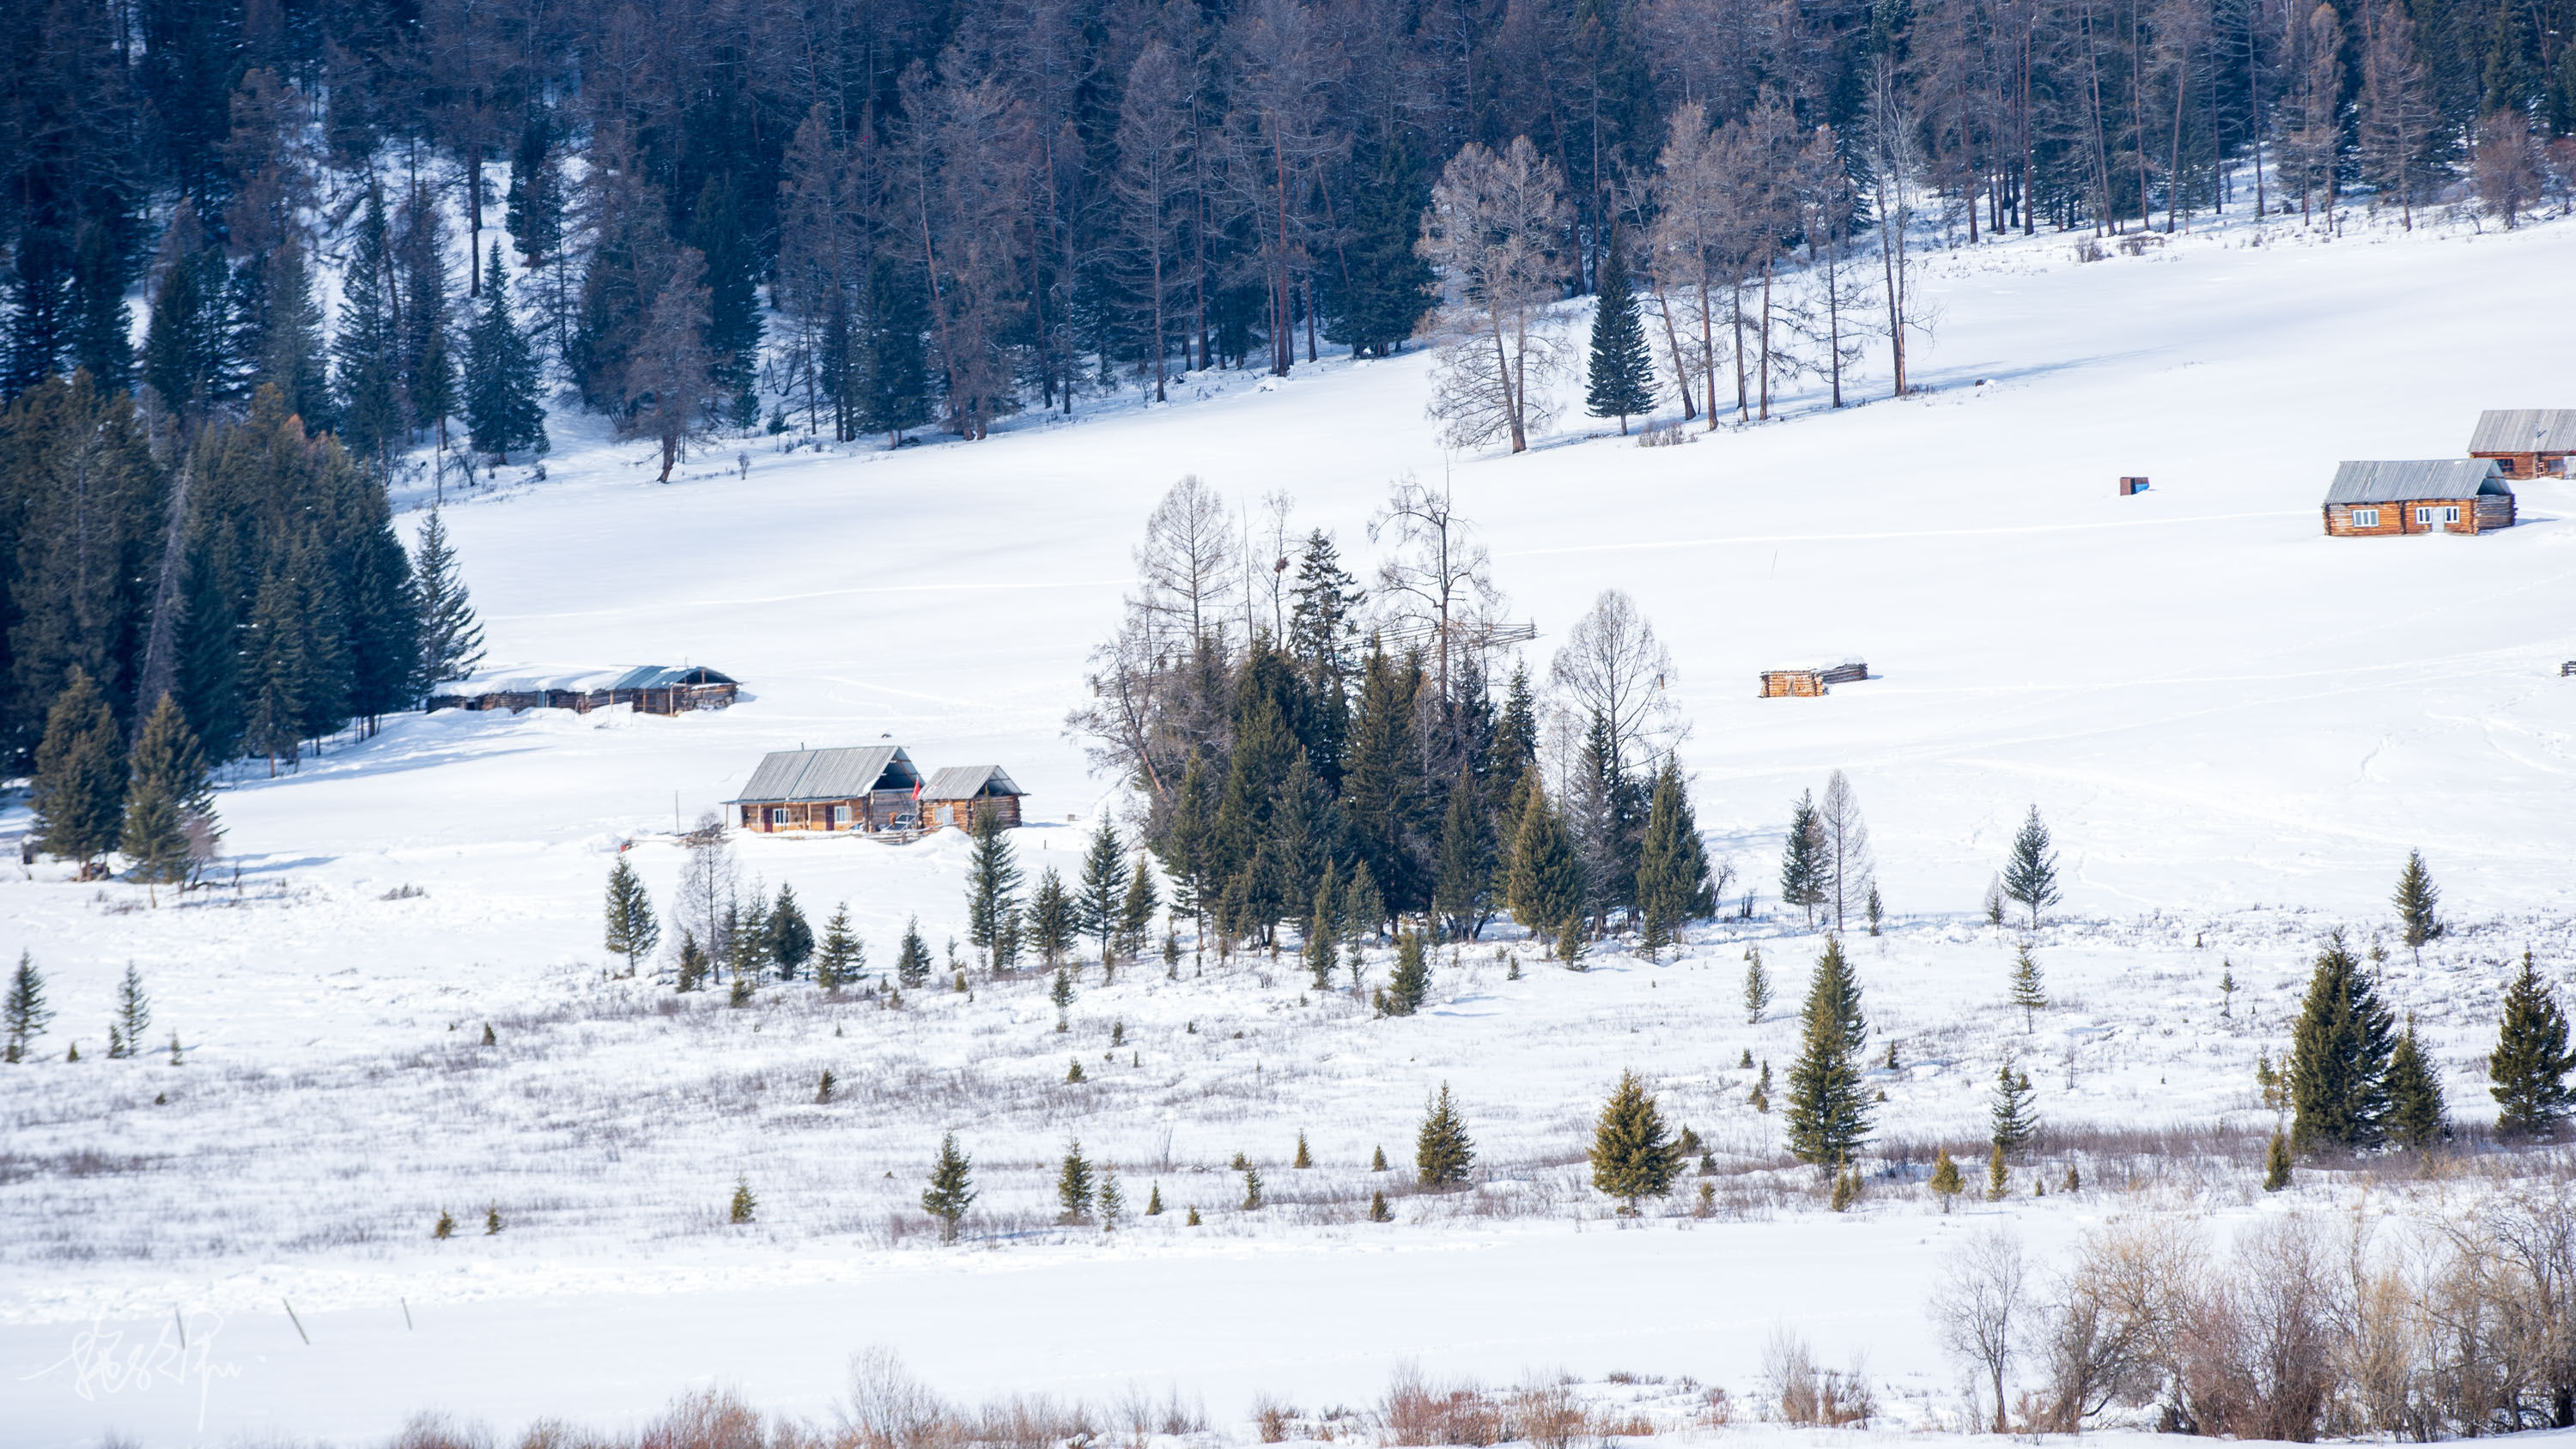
(556, 1434)
(1418, 1412)
(440, 1431)
(706, 1419)
(1271, 1417)
(1806, 1394)
(1549, 1416)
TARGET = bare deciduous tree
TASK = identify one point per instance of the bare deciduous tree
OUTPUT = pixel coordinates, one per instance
(1978, 1307)
(1496, 230)
(1438, 579)
(1612, 665)
(1846, 841)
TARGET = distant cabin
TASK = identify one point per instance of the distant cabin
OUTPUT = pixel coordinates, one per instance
(2429, 495)
(2526, 442)
(961, 794)
(865, 788)
(1811, 681)
(650, 688)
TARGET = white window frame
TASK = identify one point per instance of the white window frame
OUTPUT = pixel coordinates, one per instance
(777, 817)
(2365, 518)
(840, 817)
(2451, 514)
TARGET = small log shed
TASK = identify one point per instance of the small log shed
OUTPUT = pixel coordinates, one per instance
(2526, 442)
(960, 795)
(1809, 682)
(2419, 495)
(863, 788)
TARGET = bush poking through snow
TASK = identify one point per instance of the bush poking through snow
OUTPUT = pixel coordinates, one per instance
(445, 1227)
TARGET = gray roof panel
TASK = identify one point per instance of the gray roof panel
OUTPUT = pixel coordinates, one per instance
(2403, 481)
(838, 774)
(2525, 430)
(965, 782)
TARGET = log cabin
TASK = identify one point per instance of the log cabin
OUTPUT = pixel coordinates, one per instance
(2427, 495)
(867, 789)
(960, 795)
(650, 688)
(2526, 442)
(1809, 682)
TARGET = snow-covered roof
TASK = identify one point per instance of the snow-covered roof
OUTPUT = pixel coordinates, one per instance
(2525, 430)
(2404, 480)
(837, 774)
(965, 782)
(537, 679)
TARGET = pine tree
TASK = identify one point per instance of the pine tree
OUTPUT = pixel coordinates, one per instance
(912, 962)
(1805, 877)
(2418, 1114)
(2530, 1063)
(1252, 1198)
(1363, 909)
(2030, 877)
(1463, 885)
(1945, 1179)
(79, 792)
(102, 331)
(1061, 993)
(842, 957)
(290, 355)
(952, 1188)
(451, 639)
(2339, 1058)
(1320, 930)
(2417, 899)
(365, 348)
(2276, 1162)
(1112, 1201)
(1828, 1112)
(790, 938)
(1304, 1159)
(2029, 991)
(1672, 865)
(1442, 1152)
(24, 1014)
(169, 806)
(1154, 1201)
(1546, 881)
(1631, 1157)
(693, 963)
(133, 1015)
(1051, 919)
(1377, 1159)
(504, 405)
(1073, 1184)
(1620, 379)
(1378, 1212)
(1411, 980)
(1997, 1180)
(732, 278)
(2010, 1111)
(1383, 289)
(743, 1204)
(1757, 986)
(632, 931)
(1136, 910)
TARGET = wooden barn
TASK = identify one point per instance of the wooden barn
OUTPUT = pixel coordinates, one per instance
(864, 788)
(2426, 495)
(2526, 442)
(962, 794)
(650, 688)
(1811, 681)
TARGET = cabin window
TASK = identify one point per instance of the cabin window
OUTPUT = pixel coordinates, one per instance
(840, 817)
(2504, 465)
(778, 817)
(2451, 514)
(2365, 518)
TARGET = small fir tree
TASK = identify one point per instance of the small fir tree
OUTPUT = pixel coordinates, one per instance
(2010, 1110)
(743, 1204)
(840, 959)
(1442, 1152)
(2276, 1162)
(2227, 989)
(1073, 1075)
(912, 962)
(2030, 876)
(1318, 949)
(1631, 1156)
(169, 804)
(790, 938)
(2029, 989)
(24, 1015)
(1828, 1112)
(823, 1087)
(1806, 872)
(2339, 1058)
(1073, 1184)
(992, 881)
(1377, 1159)
(1410, 982)
(133, 1015)
(1103, 887)
(1378, 1212)
(491, 1222)
(2418, 1114)
(1619, 380)
(1757, 986)
(693, 963)
(1061, 993)
(2530, 1063)
(1252, 1189)
(1051, 919)
(1846, 1189)
(1945, 1179)
(1304, 1158)
(79, 796)
(2417, 900)
(445, 1227)
(632, 930)
(1876, 912)
(1672, 866)
(1136, 910)
(1111, 1198)
(952, 1187)
(1154, 1201)
(1997, 1177)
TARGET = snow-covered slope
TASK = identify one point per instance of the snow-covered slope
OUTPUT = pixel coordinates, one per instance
(2236, 727)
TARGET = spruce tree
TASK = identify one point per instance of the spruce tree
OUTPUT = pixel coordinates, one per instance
(1321, 930)
(504, 407)
(790, 937)
(1136, 910)
(1112, 1202)
(291, 355)
(1546, 881)
(24, 1015)
(842, 957)
(1073, 1184)
(1805, 877)
(1061, 994)
(133, 1015)
(169, 806)
(952, 1188)
(2417, 899)
(1463, 885)
(1051, 919)
(1828, 1118)
(2276, 1162)
(1672, 870)
(912, 962)
(1757, 987)
(1381, 293)
(451, 639)
(535, 197)
(2029, 990)
(693, 964)
(102, 332)
(1998, 1180)
(2010, 1111)
(632, 930)
(1619, 380)
(79, 794)
(2030, 877)
(1945, 1179)
(2530, 1063)
(2339, 1058)
(992, 879)
(1631, 1157)
(1103, 885)
(743, 1204)
(1411, 980)
(1363, 909)
(2418, 1114)
(365, 348)
(732, 282)
(1442, 1152)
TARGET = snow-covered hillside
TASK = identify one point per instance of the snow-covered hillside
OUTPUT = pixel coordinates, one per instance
(2236, 727)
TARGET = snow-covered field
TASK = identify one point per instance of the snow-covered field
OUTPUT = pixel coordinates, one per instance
(2236, 727)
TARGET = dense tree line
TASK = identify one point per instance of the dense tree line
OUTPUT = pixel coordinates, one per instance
(959, 208)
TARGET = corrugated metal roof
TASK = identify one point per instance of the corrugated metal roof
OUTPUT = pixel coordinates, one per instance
(2525, 430)
(2401, 481)
(538, 678)
(965, 782)
(840, 774)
